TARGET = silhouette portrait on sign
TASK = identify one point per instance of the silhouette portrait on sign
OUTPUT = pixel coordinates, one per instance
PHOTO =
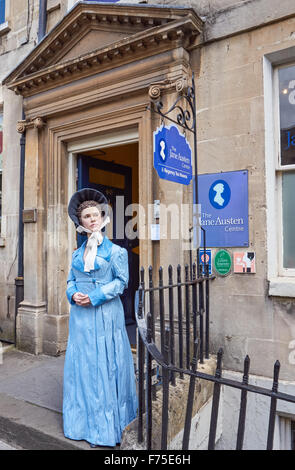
(219, 189)
(163, 147)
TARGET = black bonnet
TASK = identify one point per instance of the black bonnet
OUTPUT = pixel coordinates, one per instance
(86, 194)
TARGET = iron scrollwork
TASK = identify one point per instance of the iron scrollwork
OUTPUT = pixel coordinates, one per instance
(186, 118)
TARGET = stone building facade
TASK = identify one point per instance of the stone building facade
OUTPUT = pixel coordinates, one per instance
(85, 86)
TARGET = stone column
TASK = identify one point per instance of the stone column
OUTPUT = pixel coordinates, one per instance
(33, 308)
(56, 245)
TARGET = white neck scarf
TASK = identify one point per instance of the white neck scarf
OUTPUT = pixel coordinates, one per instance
(96, 238)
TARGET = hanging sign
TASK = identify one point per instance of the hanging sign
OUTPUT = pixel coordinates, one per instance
(172, 155)
(222, 262)
(224, 208)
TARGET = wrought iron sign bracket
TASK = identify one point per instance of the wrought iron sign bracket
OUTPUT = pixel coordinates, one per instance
(186, 118)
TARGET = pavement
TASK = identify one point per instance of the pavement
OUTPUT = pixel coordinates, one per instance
(31, 389)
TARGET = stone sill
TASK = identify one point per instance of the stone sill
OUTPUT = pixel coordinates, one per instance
(4, 28)
(282, 287)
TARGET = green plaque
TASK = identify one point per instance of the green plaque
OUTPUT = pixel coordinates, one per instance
(222, 262)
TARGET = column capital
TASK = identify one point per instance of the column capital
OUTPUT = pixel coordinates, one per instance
(156, 89)
(37, 123)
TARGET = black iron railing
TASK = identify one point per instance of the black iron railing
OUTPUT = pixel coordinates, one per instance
(183, 306)
(188, 293)
(195, 305)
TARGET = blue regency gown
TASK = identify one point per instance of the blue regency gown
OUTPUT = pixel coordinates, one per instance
(99, 397)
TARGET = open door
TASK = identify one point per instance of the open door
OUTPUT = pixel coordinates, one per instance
(114, 180)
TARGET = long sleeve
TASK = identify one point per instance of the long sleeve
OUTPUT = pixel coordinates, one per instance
(116, 287)
(71, 286)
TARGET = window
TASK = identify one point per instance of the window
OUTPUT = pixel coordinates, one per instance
(2, 11)
(286, 168)
(1, 159)
(284, 437)
(287, 120)
(279, 122)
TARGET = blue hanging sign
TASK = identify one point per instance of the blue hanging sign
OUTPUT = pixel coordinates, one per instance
(172, 155)
(224, 208)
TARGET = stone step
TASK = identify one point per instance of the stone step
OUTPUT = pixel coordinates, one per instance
(32, 427)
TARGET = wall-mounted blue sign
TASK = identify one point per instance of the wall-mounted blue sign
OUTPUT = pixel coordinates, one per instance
(224, 208)
(172, 155)
(208, 259)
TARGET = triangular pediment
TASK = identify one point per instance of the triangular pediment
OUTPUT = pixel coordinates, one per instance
(90, 36)
(91, 39)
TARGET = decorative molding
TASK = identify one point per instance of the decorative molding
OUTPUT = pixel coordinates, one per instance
(125, 51)
(117, 82)
(22, 125)
(38, 123)
(39, 71)
(156, 89)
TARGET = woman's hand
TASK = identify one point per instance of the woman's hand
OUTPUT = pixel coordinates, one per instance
(81, 299)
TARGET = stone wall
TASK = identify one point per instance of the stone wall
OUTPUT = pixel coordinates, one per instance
(228, 66)
(223, 18)
(231, 136)
(18, 36)
(17, 39)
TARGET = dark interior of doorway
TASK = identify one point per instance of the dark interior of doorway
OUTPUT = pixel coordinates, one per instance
(114, 172)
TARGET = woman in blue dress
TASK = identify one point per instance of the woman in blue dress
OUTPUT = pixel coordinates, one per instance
(99, 395)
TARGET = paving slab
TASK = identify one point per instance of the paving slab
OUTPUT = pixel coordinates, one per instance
(35, 379)
(31, 403)
(33, 427)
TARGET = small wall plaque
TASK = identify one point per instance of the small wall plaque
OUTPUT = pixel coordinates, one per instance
(244, 262)
(29, 215)
(222, 262)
